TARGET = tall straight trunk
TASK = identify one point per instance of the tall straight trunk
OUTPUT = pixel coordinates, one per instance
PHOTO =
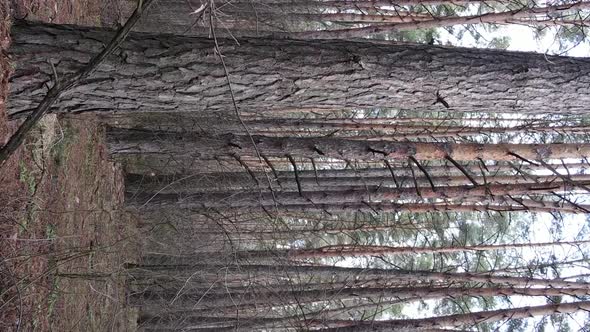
(500, 205)
(270, 233)
(499, 17)
(498, 169)
(469, 319)
(147, 165)
(124, 141)
(202, 183)
(294, 127)
(194, 122)
(364, 195)
(181, 74)
(515, 206)
(430, 120)
(306, 272)
(277, 297)
(217, 125)
(371, 250)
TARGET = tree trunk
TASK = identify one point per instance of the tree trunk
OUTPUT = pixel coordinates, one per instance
(195, 183)
(521, 205)
(464, 319)
(500, 205)
(181, 74)
(491, 171)
(369, 250)
(331, 273)
(124, 141)
(211, 126)
(271, 298)
(367, 195)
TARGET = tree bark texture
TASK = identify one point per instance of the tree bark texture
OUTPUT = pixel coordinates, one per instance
(522, 205)
(367, 195)
(330, 272)
(492, 171)
(194, 183)
(275, 297)
(171, 73)
(369, 250)
(124, 141)
(354, 129)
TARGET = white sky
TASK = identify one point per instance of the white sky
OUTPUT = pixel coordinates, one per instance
(522, 38)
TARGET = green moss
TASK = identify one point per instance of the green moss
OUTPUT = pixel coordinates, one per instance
(27, 177)
(59, 151)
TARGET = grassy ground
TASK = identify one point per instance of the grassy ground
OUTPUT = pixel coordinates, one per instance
(64, 237)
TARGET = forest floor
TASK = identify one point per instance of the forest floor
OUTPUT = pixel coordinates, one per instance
(64, 238)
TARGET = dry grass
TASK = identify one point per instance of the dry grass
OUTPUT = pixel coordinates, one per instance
(95, 239)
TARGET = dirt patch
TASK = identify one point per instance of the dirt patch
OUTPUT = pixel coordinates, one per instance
(85, 12)
(64, 237)
(94, 236)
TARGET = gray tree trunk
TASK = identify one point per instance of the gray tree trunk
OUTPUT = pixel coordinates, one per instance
(124, 141)
(196, 183)
(278, 297)
(253, 199)
(154, 73)
(184, 268)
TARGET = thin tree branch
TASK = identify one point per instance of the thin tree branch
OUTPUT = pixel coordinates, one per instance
(423, 170)
(296, 174)
(463, 170)
(391, 171)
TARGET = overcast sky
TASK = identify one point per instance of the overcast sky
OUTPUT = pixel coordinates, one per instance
(522, 38)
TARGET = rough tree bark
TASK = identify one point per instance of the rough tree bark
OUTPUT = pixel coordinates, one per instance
(124, 141)
(170, 73)
(196, 183)
(330, 272)
(368, 250)
(277, 297)
(497, 206)
(175, 122)
(522, 206)
(367, 195)
(500, 169)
